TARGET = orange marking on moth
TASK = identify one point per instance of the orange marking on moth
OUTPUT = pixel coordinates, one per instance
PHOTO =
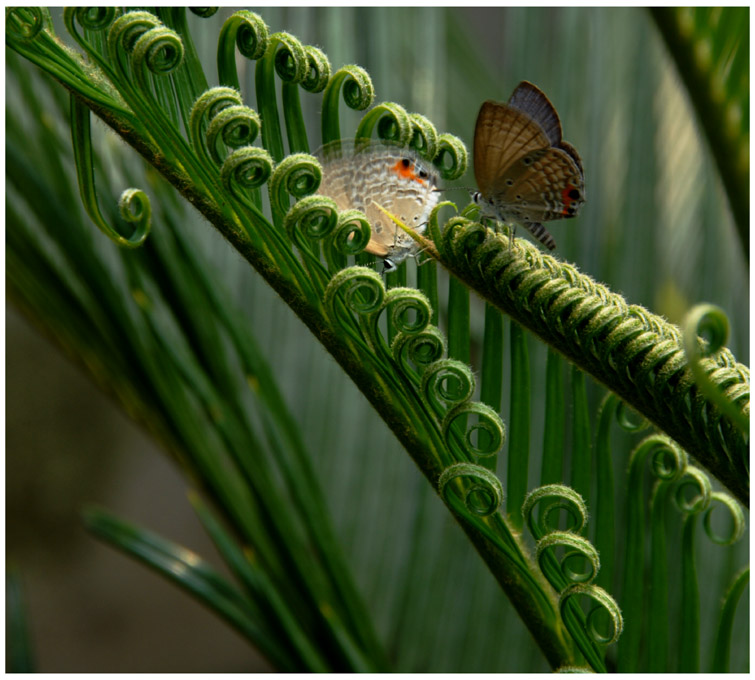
(406, 171)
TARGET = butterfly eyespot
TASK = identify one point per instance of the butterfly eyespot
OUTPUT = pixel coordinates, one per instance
(405, 162)
(518, 197)
(509, 182)
(527, 160)
(423, 174)
(574, 194)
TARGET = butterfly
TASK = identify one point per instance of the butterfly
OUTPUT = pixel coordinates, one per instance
(361, 177)
(526, 174)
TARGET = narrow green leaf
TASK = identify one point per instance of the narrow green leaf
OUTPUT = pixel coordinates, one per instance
(491, 378)
(605, 522)
(658, 613)
(519, 437)
(182, 567)
(720, 663)
(689, 616)
(82, 146)
(632, 592)
(458, 320)
(581, 459)
(555, 421)
(282, 622)
(427, 282)
(295, 129)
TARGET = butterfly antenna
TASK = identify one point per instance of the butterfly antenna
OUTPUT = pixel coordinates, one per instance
(469, 189)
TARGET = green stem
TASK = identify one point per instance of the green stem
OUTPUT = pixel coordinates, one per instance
(639, 356)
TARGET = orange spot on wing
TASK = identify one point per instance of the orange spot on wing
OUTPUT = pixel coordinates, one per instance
(406, 171)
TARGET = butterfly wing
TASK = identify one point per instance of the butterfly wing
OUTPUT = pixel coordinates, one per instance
(502, 135)
(394, 178)
(411, 200)
(532, 101)
(569, 149)
(338, 182)
(542, 185)
(386, 238)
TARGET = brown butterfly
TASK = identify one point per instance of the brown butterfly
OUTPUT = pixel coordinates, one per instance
(526, 174)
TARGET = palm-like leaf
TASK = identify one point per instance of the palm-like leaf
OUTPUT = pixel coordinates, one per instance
(458, 347)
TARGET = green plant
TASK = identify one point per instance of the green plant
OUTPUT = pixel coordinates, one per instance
(185, 378)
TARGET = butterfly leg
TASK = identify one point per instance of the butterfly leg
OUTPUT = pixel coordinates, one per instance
(512, 234)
